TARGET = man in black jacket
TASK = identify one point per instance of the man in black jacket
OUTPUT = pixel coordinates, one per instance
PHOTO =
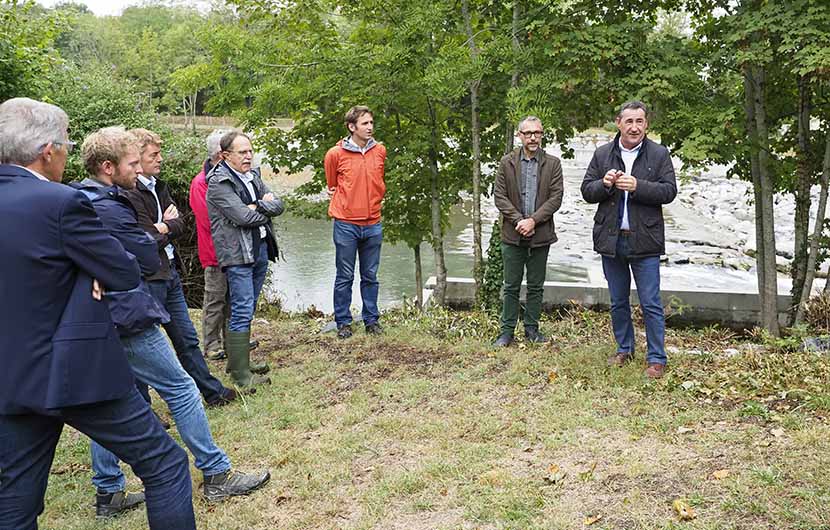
(630, 179)
(159, 217)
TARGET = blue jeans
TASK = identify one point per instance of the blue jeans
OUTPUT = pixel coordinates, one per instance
(244, 285)
(646, 271)
(127, 427)
(154, 363)
(182, 333)
(364, 242)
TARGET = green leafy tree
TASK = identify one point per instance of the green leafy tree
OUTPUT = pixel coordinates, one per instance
(26, 54)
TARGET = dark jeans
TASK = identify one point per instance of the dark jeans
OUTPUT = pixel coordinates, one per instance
(182, 334)
(363, 242)
(646, 271)
(516, 259)
(244, 285)
(126, 427)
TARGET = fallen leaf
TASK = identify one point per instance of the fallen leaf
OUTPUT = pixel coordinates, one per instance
(684, 430)
(592, 519)
(778, 433)
(720, 474)
(585, 476)
(555, 475)
(552, 375)
(684, 511)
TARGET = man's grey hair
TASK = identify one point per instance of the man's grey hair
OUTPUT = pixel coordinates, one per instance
(26, 126)
(632, 105)
(213, 140)
(527, 119)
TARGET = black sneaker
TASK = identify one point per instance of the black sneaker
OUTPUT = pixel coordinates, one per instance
(533, 335)
(231, 483)
(344, 331)
(229, 395)
(112, 504)
(504, 340)
(374, 329)
(217, 355)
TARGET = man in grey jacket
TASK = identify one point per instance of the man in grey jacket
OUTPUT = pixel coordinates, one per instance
(240, 207)
(528, 191)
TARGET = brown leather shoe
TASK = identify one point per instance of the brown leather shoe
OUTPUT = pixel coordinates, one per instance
(655, 371)
(620, 359)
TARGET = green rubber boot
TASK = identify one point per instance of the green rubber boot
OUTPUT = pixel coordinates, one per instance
(237, 345)
(257, 368)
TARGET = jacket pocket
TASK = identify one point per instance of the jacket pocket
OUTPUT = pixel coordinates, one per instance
(84, 331)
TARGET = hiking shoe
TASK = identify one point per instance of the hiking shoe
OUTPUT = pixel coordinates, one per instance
(344, 331)
(231, 483)
(374, 329)
(620, 359)
(112, 504)
(655, 370)
(533, 335)
(504, 340)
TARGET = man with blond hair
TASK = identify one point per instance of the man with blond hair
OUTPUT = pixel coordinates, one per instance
(111, 158)
(62, 359)
(159, 217)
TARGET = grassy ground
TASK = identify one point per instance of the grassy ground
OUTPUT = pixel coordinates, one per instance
(428, 428)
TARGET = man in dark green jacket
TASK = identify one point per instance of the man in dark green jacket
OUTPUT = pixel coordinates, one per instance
(528, 191)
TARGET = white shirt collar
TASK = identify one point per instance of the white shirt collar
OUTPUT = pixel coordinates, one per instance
(149, 182)
(632, 150)
(33, 172)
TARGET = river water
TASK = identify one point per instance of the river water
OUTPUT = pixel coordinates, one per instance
(703, 250)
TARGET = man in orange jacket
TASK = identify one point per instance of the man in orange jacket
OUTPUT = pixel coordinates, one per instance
(354, 175)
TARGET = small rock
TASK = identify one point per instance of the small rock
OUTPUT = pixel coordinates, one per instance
(816, 344)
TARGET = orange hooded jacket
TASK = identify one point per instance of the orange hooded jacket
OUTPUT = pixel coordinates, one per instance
(358, 181)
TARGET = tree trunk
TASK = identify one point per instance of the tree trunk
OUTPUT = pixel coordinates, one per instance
(440, 293)
(817, 229)
(509, 131)
(766, 224)
(419, 277)
(475, 131)
(802, 198)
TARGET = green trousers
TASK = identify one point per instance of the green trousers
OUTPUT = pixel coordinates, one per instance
(516, 259)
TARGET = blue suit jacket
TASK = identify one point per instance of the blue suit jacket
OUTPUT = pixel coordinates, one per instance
(58, 345)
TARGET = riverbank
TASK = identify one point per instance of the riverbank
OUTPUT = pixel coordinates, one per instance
(710, 240)
(429, 428)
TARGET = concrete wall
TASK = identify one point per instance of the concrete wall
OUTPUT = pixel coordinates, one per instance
(734, 309)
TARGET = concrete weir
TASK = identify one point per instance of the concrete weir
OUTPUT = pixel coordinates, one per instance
(691, 307)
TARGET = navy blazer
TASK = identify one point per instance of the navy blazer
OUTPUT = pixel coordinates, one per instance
(58, 345)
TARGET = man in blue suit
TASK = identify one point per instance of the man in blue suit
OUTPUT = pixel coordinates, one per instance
(61, 356)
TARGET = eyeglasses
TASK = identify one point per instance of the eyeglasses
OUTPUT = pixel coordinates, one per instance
(242, 153)
(68, 144)
(531, 134)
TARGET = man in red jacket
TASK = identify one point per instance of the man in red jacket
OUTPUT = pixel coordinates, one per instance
(354, 175)
(215, 306)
